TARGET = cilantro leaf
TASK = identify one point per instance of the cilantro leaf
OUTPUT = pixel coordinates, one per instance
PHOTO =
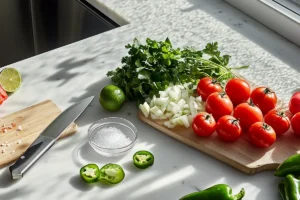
(151, 67)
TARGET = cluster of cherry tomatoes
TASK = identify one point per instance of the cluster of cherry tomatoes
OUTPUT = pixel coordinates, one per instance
(236, 109)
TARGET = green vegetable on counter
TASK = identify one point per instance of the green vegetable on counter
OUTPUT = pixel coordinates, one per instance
(289, 188)
(289, 166)
(112, 98)
(143, 159)
(216, 192)
(111, 173)
(10, 79)
(90, 173)
(152, 67)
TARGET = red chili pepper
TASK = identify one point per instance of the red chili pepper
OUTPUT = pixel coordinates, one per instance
(3, 95)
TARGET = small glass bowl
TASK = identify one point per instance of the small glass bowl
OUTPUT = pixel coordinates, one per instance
(102, 130)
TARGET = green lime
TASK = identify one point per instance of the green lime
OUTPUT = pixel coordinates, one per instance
(112, 98)
(10, 79)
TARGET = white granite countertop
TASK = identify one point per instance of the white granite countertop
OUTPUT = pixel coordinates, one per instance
(73, 72)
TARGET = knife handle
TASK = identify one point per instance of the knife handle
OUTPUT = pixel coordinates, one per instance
(38, 148)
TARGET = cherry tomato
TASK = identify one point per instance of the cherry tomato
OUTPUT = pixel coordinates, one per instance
(278, 121)
(238, 91)
(264, 98)
(228, 128)
(207, 86)
(261, 134)
(218, 104)
(248, 114)
(296, 123)
(204, 124)
(3, 95)
(294, 104)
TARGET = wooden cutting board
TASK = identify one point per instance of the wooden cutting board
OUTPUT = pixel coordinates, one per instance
(240, 154)
(33, 120)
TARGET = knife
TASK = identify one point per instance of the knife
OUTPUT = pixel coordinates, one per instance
(47, 138)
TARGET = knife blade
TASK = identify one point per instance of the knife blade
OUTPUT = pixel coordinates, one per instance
(48, 138)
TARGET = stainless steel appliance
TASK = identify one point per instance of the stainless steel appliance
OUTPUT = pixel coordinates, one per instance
(31, 27)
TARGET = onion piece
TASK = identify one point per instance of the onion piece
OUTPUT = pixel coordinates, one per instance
(176, 105)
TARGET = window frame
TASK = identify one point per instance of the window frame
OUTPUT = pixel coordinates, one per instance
(273, 15)
(285, 11)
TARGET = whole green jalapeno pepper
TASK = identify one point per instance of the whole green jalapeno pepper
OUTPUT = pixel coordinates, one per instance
(216, 192)
(289, 188)
(289, 166)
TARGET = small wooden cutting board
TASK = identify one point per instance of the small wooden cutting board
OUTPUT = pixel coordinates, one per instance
(32, 120)
(240, 154)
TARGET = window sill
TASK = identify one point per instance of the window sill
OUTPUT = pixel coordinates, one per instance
(272, 14)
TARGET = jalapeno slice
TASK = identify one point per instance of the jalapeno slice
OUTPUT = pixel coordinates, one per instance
(111, 173)
(90, 173)
(143, 159)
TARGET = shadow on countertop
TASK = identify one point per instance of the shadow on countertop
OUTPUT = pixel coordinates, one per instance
(275, 44)
(6, 182)
(6, 179)
(66, 66)
(78, 184)
(95, 111)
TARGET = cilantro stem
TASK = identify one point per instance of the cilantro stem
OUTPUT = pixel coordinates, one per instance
(240, 67)
(223, 75)
(213, 64)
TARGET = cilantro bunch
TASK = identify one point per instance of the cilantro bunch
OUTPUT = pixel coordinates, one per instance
(151, 67)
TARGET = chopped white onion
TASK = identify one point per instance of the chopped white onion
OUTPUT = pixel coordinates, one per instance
(145, 108)
(176, 104)
(156, 111)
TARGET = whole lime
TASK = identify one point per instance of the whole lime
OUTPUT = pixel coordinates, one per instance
(112, 98)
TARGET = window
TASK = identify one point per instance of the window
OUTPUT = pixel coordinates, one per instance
(290, 8)
(291, 5)
(283, 16)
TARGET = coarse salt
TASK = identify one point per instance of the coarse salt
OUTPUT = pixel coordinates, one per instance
(111, 137)
(19, 142)
(3, 150)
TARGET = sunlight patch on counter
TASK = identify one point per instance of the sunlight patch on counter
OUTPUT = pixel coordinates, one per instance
(164, 181)
(132, 183)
